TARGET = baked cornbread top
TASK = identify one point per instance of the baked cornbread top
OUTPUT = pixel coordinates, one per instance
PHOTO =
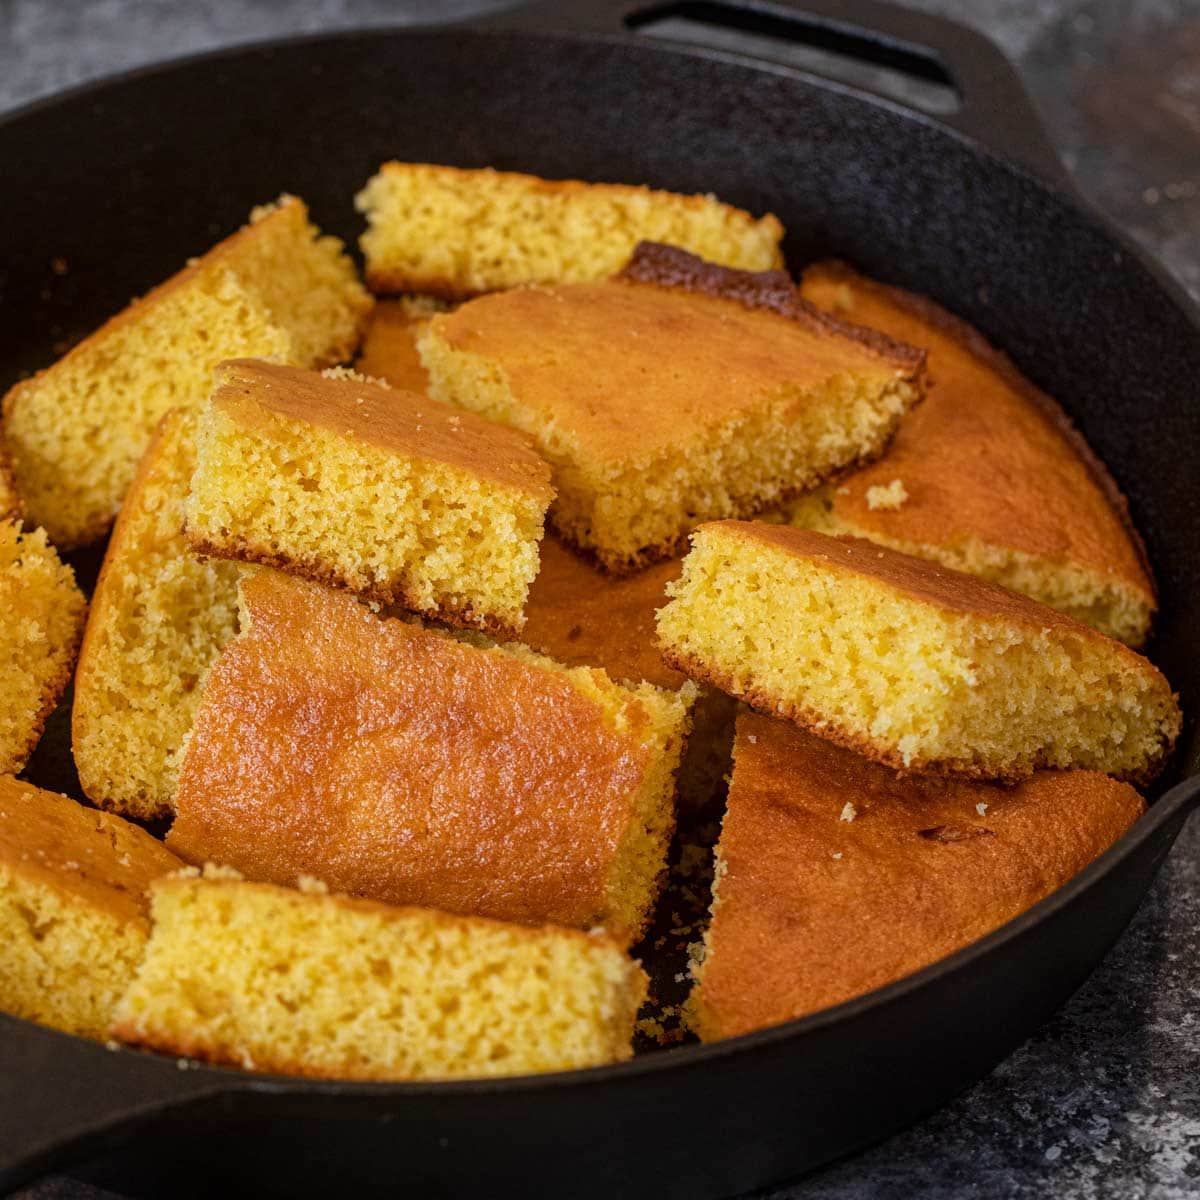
(253, 393)
(399, 740)
(923, 581)
(79, 852)
(987, 455)
(840, 876)
(620, 370)
(582, 616)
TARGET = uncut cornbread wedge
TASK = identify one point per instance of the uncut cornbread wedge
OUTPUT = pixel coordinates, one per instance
(73, 909)
(158, 618)
(410, 766)
(42, 612)
(987, 475)
(455, 233)
(381, 491)
(305, 983)
(909, 663)
(678, 393)
(389, 349)
(580, 616)
(835, 876)
(77, 430)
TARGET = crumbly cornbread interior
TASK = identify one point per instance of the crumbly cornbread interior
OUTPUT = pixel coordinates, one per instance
(302, 982)
(460, 232)
(913, 683)
(160, 615)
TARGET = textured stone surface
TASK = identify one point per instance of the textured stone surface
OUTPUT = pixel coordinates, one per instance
(1105, 1100)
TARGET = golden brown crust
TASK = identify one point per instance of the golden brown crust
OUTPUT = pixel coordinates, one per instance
(838, 876)
(420, 770)
(84, 855)
(987, 455)
(252, 392)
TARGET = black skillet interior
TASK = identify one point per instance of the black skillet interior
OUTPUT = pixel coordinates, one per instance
(118, 182)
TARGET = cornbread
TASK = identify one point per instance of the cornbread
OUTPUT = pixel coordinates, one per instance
(306, 983)
(675, 394)
(12, 507)
(41, 620)
(456, 233)
(276, 289)
(909, 663)
(995, 480)
(73, 913)
(406, 765)
(383, 492)
(580, 616)
(389, 349)
(159, 616)
(811, 909)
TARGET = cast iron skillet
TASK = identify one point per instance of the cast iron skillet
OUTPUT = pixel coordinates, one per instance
(123, 179)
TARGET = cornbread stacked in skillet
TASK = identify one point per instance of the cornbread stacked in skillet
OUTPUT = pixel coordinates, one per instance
(159, 616)
(73, 910)
(987, 475)
(307, 983)
(910, 664)
(41, 620)
(676, 393)
(455, 233)
(836, 875)
(403, 764)
(383, 492)
(77, 430)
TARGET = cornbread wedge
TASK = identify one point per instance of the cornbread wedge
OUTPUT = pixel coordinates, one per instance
(379, 491)
(159, 616)
(987, 475)
(580, 616)
(77, 430)
(678, 393)
(835, 876)
(908, 663)
(305, 983)
(389, 349)
(406, 765)
(455, 233)
(42, 613)
(73, 910)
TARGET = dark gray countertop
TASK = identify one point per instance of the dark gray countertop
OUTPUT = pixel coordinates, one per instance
(1105, 1100)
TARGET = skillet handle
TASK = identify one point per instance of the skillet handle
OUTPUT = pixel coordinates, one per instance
(994, 112)
(63, 1098)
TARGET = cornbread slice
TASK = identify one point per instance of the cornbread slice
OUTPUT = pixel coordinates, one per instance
(159, 616)
(73, 911)
(987, 475)
(305, 983)
(835, 876)
(384, 492)
(406, 765)
(389, 350)
(911, 664)
(42, 613)
(675, 394)
(77, 430)
(580, 616)
(455, 233)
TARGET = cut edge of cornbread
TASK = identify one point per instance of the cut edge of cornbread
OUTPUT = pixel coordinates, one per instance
(42, 614)
(456, 232)
(328, 986)
(1107, 604)
(458, 546)
(992, 684)
(77, 429)
(159, 617)
(73, 921)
